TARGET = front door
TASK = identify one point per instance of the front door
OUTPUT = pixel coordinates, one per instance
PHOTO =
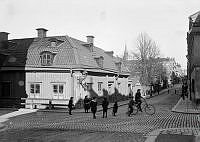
(58, 91)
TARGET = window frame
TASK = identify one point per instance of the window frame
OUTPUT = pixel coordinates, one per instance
(58, 90)
(34, 88)
(47, 58)
(99, 88)
(89, 86)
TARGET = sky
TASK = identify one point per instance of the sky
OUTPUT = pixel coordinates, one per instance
(113, 23)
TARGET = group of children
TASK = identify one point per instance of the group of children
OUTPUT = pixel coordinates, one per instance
(93, 106)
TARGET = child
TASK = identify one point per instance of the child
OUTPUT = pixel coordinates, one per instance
(115, 108)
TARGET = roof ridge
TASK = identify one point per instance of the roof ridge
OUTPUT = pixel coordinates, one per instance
(194, 14)
(70, 41)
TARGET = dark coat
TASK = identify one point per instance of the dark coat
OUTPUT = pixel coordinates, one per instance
(86, 103)
(93, 105)
(70, 105)
(131, 103)
(115, 107)
(138, 97)
(105, 104)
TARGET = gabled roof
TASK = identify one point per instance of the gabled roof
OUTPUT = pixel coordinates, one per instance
(69, 53)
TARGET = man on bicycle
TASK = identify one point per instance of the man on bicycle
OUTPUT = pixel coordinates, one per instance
(138, 99)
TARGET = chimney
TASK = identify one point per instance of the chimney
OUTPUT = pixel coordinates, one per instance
(90, 39)
(90, 42)
(3, 36)
(41, 32)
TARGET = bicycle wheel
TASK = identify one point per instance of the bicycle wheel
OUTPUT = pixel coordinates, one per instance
(135, 110)
(149, 109)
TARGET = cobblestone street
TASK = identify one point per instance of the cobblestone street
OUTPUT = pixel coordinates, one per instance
(52, 126)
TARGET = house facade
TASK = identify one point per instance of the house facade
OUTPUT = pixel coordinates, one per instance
(56, 68)
(193, 56)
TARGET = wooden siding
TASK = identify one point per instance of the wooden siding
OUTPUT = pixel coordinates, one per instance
(72, 86)
(46, 80)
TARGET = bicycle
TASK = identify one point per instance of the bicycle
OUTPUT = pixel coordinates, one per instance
(148, 108)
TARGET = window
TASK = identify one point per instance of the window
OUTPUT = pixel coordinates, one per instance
(34, 88)
(99, 61)
(47, 59)
(55, 88)
(89, 86)
(58, 90)
(100, 86)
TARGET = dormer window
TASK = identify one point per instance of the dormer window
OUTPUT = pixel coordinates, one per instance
(46, 58)
(99, 61)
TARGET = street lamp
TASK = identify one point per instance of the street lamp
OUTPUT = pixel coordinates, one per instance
(82, 78)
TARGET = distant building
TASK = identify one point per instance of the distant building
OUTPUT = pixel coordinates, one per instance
(169, 65)
(172, 66)
(57, 68)
(193, 56)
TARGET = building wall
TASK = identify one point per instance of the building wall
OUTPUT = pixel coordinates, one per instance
(195, 84)
(12, 88)
(47, 80)
(196, 48)
(72, 86)
(109, 84)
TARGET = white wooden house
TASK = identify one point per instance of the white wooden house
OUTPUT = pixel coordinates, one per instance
(59, 67)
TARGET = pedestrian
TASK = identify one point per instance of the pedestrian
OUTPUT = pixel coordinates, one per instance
(186, 90)
(93, 105)
(70, 105)
(105, 104)
(115, 108)
(183, 92)
(86, 104)
(130, 106)
(138, 99)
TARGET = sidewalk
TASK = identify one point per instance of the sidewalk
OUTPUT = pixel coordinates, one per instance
(178, 134)
(186, 106)
(5, 117)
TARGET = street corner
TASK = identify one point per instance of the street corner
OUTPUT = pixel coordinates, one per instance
(174, 135)
(151, 137)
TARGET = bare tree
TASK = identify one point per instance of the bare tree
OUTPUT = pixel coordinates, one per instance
(146, 53)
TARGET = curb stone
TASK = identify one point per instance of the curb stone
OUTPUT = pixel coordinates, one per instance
(151, 137)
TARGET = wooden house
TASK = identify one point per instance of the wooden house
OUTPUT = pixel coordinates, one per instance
(55, 68)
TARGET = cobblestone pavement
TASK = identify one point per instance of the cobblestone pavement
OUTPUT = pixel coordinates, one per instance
(81, 126)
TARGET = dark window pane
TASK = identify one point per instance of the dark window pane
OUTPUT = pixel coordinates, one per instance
(32, 88)
(61, 89)
(55, 88)
(37, 86)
